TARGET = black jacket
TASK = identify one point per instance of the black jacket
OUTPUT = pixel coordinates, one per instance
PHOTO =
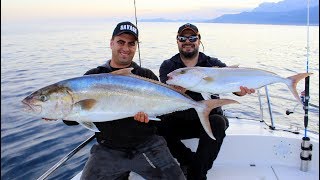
(174, 63)
(125, 133)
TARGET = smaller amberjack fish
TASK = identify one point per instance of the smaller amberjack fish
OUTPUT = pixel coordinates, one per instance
(112, 96)
(213, 80)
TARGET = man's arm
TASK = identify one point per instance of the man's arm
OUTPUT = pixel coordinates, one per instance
(164, 70)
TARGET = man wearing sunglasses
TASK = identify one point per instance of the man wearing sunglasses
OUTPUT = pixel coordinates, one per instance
(186, 124)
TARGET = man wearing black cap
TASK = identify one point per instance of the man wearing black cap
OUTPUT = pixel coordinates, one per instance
(186, 124)
(128, 144)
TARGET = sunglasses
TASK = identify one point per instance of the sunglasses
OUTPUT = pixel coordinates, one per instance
(190, 38)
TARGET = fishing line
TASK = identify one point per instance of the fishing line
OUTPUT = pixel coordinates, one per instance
(135, 15)
(202, 46)
(307, 97)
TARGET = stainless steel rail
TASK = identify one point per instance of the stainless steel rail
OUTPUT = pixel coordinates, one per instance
(260, 103)
(269, 107)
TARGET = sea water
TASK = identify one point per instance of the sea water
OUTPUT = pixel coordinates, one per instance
(38, 54)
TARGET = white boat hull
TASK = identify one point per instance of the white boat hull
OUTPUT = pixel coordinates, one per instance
(252, 151)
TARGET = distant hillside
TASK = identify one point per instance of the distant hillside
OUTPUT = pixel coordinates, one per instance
(298, 17)
(291, 12)
(283, 12)
(285, 5)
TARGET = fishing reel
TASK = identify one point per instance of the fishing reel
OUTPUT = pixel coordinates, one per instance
(288, 111)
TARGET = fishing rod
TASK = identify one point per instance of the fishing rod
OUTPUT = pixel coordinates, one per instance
(307, 79)
(135, 15)
(306, 146)
(65, 158)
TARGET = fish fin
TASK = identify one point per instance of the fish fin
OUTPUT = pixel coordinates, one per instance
(154, 119)
(206, 96)
(293, 84)
(86, 104)
(207, 78)
(159, 83)
(124, 71)
(203, 113)
(204, 119)
(89, 125)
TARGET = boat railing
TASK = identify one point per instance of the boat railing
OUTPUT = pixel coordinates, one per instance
(260, 103)
(269, 107)
(288, 111)
(271, 123)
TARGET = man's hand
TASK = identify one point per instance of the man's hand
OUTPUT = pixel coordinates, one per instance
(142, 117)
(244, 90)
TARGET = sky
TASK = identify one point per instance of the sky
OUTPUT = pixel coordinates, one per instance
(24, 10)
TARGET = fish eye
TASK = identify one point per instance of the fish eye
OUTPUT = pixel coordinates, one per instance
(43, 98)
(182, 71)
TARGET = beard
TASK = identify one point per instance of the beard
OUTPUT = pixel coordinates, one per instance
(189, 55)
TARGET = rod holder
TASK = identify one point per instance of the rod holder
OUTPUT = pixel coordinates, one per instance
(305, 154)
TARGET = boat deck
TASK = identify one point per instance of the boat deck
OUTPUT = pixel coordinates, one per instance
(252, 151)
(238, 172)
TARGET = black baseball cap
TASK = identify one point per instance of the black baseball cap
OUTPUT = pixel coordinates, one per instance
(126, 27)
(188, 26)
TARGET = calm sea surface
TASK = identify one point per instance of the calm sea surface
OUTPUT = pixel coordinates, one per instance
(36, 55)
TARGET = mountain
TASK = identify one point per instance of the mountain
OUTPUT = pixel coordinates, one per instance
(284, 12)
(295, 17)
(285, 6)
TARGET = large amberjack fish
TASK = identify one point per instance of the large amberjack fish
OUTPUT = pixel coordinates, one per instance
(111, 96)
(214, 80)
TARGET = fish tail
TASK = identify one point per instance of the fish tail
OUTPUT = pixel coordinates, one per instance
(293, 84)
(203, 113)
